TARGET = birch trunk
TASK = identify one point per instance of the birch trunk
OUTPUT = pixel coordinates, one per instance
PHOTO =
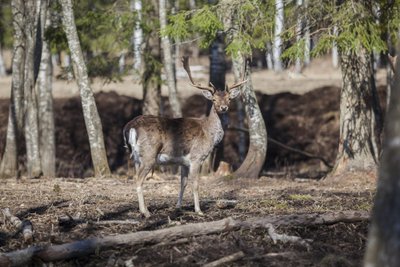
(279, 19)
(255, 158)
(299, 30)
(335, 54)
(359, 129)
(33, 52)
(137, 39)
(169, 63)
(9, 163)
(45, 100)
(383, 238)
(90, 113)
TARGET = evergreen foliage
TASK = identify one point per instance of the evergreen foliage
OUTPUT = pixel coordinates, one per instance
(105, 29)
(359, 23)
(6, 34)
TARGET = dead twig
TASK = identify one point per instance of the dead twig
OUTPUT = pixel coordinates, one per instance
(230, 258)
(286, 238)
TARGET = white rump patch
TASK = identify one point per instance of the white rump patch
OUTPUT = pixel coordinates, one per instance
(133, 144)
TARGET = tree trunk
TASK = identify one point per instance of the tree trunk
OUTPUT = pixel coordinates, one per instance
(9, 163)
(32, 54)
(384, 234)
(169, 64)
(45, 100)
(90, 113)
(2, 66)
(137, 39)
(359, 129)
(335, 54)
(255, 158)
(279, 19)
(299, 29)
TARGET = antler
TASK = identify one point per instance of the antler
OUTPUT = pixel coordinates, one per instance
(242, 80)
(185, 61)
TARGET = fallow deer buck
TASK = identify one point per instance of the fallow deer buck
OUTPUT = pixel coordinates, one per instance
(184, 141)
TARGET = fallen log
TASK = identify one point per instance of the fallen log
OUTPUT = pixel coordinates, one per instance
(91, 245)
(21, 226)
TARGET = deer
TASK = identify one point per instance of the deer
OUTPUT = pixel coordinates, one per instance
(187, 142)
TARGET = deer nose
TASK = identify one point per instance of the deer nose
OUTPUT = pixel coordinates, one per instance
(223, 108)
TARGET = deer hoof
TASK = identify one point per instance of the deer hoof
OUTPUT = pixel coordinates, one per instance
(146, 214)
(200, 213)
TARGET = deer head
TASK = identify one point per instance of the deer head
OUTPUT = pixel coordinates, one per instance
(220, 98)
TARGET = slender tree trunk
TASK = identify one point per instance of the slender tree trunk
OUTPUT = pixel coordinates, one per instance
(169, 63)
(359, 129)
(2, 66)
(32, 56)
(335, 54)
(45, 100)
(9, 163)
(384, 233)
(279, 19)
(255, 158)
(137, 39)
(299, 35)
(90, 113)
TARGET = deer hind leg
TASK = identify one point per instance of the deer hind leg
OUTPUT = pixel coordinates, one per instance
(184, 176)
(142, 172)
(194, 176)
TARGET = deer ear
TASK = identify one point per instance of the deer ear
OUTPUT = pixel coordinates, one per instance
(233, 93)
(207, 94)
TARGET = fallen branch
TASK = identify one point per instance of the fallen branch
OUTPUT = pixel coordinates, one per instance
(92, 245)
(66, 220)
(286, 238)
(230, 258)
(21, 226)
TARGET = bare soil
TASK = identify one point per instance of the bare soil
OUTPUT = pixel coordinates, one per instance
(300, 111)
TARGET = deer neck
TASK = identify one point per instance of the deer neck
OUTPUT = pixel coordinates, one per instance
(213, 126)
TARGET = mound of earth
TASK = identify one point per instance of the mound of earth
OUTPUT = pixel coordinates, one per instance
(308, 122)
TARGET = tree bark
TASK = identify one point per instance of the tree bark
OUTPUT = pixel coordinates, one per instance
(279, 19)
(255, 158)
(137, 38)
(359, 125)
(169, 64)
(384, 234)
(45, 100)
(2, 66)
(32, 54)
(151, 77)
(9, 163)
(95, 244)
(90, 113)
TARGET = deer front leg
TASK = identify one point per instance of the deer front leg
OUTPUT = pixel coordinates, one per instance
(184, 176)
(142, 173)
(194, 176)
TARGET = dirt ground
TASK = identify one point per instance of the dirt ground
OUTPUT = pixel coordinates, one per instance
(43, 202)
(300, 111)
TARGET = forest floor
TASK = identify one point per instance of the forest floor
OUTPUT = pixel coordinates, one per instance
(45, 202)
(300, 111)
